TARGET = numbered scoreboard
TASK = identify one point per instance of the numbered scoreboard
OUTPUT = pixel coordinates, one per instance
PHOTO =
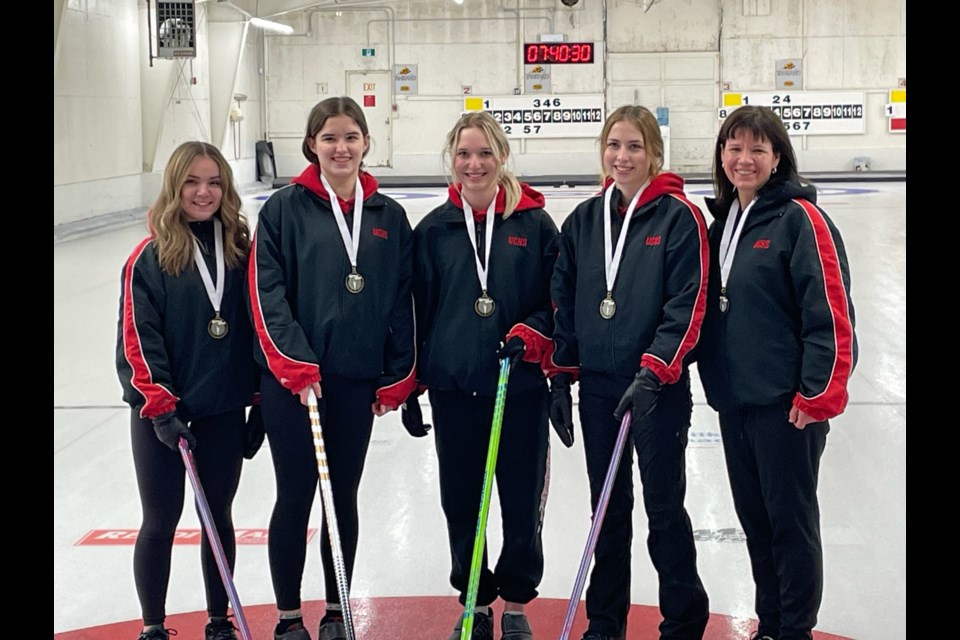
(807, 112)
(543, 116)
(896, 111)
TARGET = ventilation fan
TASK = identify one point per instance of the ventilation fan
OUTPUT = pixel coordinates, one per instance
(176, 30)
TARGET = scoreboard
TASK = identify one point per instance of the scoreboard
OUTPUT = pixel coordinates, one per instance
(806, 112)
(543, 116)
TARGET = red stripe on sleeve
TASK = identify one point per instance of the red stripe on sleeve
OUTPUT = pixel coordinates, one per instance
(292, 374)
(833, 399)
(394, 395)
(669, 373)
(551, 368)
(158, 398)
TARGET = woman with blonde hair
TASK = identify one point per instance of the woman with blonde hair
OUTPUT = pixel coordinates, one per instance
(482, 265)
(185, 361)
(630, 289)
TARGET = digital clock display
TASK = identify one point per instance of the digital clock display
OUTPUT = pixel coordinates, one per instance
(558, 53)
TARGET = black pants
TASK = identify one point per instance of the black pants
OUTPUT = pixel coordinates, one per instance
(346, 435)
(463, 424)
(160, 479)
(773, 469)
(660, 442)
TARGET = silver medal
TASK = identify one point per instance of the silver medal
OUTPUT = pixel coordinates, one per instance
(217, 328)
(612, 256)
(607, 307)
(354, 282)
(724, 304)
(484, 306)
(351, 243)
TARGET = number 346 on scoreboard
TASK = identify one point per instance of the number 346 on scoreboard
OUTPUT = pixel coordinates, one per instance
(543, 116)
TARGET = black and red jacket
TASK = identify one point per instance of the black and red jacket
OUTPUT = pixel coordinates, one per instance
(788, 335)
(457, 347)
(660, 290)
(165, 358)
(306, 322)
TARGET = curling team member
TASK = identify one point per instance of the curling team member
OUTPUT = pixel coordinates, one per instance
(185, 361)
(330, 295)
(630, 289)
(777, 352)
(483, 262)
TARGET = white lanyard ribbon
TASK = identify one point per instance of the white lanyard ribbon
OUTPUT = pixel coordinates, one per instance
(351, 244)
(731, 237)
(215, 293)
(612, 261)
(482, 269)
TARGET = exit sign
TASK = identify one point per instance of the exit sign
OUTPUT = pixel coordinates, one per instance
(367, 53)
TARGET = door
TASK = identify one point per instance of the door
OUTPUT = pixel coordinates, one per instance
(371, 90)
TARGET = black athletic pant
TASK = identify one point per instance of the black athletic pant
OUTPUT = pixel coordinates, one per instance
(160, 478)
(346, 436)
(773, 469)
(660, 442)
(462, 425)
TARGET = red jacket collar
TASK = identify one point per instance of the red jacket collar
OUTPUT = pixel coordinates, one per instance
(530, 198)
(662, 184)
(310, 178)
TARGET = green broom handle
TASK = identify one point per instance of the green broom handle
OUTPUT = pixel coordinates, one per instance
(480, 539)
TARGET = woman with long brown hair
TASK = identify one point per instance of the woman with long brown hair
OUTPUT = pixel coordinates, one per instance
(185, 361)
(330, 293)
(630, 289)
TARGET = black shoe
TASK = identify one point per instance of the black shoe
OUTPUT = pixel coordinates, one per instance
(220, 629)
(482, 628)
(757, 636)
(515, 627)
(293, 632)
(158, 633)
(596, 635)
(333, 629)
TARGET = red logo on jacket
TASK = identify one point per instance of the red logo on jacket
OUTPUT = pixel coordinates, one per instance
(517, 241)
(380, 233)
(653, 241)
(762, 243)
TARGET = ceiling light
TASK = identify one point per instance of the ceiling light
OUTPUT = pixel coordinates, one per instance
(270, 25)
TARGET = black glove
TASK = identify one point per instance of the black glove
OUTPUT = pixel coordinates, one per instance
(411, 415)
(513, 349)
(640, 397)
(169, 428)
(561, 407)
(253, 433)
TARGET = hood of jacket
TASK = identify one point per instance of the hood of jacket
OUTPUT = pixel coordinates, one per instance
(310, 178)
(770, 196)
(530, 198)
(665, 183)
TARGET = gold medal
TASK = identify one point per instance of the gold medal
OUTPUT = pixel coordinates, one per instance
(608, 307)
(217, 328)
